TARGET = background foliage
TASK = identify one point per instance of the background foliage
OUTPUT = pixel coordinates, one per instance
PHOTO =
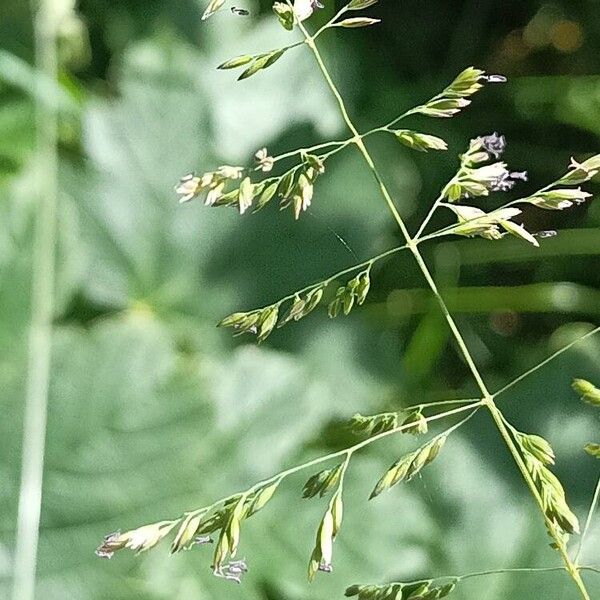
(154, 411)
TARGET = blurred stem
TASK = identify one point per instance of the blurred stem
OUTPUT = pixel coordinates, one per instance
(487, 398)
(546, 297)
(42, 302)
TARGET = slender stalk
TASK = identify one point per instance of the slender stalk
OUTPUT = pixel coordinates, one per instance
(340, 144)
(449, 229)
(308, 150)
(500, 423)
(387, 127)
(545, 362)
(588, 521)
(362, 265)
(425, 222)
(324, 282)
(444, 403)
(385, 193)
(522, 570)
(329, 23)
(343, 471)
(440, 232)
(42, 302)
(357, 139)
(399, 118)
(452, 324)
(509, 570)
(488, 400)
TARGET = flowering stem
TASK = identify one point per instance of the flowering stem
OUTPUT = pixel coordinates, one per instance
(443, 232)
(487, 398)
(368, 264)
(343, 470)
(449, 229)
(340, 144)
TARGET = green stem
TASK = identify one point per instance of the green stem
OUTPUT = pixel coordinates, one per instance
(545, 362)
(450, 229)
(42, 303)
(488, 400)
(425, 222)
(344, 468)
(329, 23)
(309, 150)
(588, 521)
(509, 570)
(443, 403)
(364, 264)
(340, 144)
(522, 570)
(386, 128)
(451, 323)
(324, 282)
(385, 193)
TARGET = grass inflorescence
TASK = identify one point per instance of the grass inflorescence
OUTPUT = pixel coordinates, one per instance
(292, 180)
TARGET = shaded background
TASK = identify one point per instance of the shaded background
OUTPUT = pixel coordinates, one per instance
(153, 411)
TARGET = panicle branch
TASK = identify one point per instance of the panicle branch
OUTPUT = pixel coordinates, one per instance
(227, 515)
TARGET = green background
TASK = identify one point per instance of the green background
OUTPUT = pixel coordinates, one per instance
(153, 411)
